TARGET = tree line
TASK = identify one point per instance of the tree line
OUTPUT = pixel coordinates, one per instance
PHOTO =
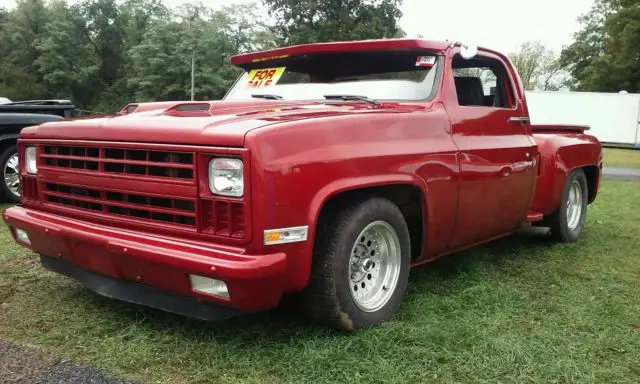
(102, 54)
(604, 56)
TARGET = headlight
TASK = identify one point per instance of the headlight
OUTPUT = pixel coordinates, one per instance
(226, 177)
(30, 160)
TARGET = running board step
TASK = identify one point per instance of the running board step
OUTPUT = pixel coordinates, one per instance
(534, 216)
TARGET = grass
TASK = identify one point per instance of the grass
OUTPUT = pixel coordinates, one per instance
(518, 310)
(617, 157)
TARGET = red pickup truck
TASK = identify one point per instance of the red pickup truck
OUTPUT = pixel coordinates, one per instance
(328, 170)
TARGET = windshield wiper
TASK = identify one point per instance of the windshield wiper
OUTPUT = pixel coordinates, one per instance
(267, 96)
(351, 98)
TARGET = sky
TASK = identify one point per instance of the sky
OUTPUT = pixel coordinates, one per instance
(497, 24)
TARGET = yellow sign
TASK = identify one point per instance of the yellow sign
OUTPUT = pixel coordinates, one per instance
(262, 78)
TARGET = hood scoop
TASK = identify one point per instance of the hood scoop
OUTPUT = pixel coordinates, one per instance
(189, 110)
(186, 109)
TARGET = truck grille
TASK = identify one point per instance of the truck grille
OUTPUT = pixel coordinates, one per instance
(223, 218)
(168, 210)
(125, 161)
(155, 186)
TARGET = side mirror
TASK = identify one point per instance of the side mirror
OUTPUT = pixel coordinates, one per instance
(468, 51)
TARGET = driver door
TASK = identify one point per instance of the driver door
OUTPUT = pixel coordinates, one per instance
(495, 151)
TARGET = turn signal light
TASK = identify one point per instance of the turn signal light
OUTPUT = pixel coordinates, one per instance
(285, 235)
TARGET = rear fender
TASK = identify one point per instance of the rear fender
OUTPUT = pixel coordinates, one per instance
(560, 154)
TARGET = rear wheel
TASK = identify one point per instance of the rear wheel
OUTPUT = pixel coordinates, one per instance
(568, 221)
(360, 267)
(10, 188)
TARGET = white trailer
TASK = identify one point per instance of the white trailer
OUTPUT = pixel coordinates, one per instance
(613, 117)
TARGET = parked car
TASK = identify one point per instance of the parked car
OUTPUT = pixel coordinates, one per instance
(328, 170)
(13, 117)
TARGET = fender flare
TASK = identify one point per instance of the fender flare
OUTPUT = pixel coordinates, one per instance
(4, 138)
(9, 136)
(565, 164)
(342, 185)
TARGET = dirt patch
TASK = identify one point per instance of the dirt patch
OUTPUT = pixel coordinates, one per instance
(22, 364)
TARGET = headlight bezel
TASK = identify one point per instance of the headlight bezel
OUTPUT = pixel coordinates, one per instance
(233, 172)
(30, 160)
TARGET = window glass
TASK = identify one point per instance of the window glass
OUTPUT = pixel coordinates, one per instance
(482, 82)
(384, 75)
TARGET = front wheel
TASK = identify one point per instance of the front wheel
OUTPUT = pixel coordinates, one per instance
(10, 188)
(360, 267)
(568, 221)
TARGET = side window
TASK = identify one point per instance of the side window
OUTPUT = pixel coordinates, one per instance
(482, 82)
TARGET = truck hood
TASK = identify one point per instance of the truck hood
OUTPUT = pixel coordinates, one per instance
(217, 123)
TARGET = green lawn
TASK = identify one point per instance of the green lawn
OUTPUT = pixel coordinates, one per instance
(518, 310)
(617, 157)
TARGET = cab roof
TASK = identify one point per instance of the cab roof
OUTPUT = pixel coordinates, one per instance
(343, 46)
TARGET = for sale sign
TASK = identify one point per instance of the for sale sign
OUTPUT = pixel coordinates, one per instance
(263, 78)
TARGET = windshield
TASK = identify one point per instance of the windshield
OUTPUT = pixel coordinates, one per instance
(388, 75)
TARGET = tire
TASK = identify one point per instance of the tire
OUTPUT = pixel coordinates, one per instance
(331, 295)
(6, 194)
(567, 224)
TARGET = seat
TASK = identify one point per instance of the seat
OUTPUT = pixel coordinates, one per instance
(500, 99)
(470, 92)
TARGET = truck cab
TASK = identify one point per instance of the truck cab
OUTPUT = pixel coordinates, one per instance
(328, 171)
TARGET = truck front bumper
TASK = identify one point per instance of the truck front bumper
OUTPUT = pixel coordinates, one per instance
(148, 269)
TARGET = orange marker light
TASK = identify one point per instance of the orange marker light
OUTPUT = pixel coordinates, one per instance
(272, 237)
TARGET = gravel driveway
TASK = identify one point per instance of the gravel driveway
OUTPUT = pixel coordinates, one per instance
(22, 364)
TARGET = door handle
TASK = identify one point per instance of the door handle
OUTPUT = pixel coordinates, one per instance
(522, 120)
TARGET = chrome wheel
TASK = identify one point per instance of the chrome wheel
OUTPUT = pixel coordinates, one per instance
(574, 205)
(12, 175)
(375, 266)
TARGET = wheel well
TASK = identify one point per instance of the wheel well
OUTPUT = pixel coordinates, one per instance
(407, 197)
(591, 172)
(6, 143)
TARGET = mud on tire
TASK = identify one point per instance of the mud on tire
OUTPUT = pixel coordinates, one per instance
(329, 298)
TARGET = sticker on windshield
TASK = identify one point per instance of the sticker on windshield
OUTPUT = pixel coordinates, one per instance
(262, 78)
(425, 61)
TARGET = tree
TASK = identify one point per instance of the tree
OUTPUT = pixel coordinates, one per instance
(4, 46)
(138, 15)
(553, 76)
(538, 67)
(23, 26)
(161, 63)
(65, 60)
(105, 31)
(309, 21)
(19, 76)
(102, 54)
(605, 56)
(244, 28)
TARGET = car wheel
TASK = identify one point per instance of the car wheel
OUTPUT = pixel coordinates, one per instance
(360, 267)
(568, 221)
(10, 188)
